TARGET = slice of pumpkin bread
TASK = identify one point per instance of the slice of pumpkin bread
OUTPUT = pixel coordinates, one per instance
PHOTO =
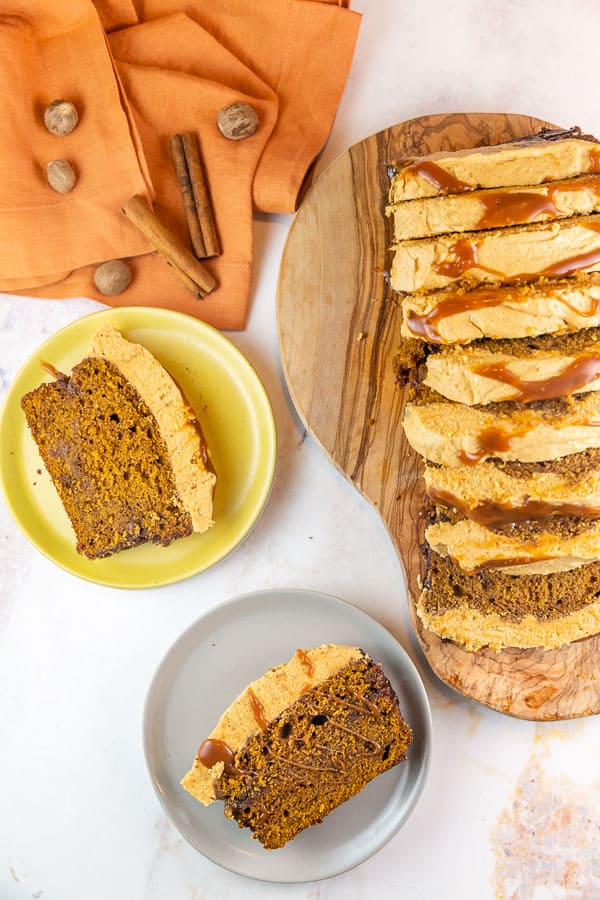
(123, 448)
(495, 609)
(299, 741)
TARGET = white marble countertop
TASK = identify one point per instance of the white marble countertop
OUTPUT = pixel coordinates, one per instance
(511, 809)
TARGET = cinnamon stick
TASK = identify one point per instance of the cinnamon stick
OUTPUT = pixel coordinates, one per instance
(191, 272)
(187, 195)
(190, 175)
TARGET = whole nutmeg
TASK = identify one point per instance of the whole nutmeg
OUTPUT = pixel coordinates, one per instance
(237, 121)
(112, 277)
(61, 176)
(61, 117)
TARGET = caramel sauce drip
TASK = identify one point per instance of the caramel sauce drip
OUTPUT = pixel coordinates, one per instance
(258, 710)
(505, 563)
(363, 737)
(491, 440)
(362, 705)
(501, 208)
(444, 182)
(212, 751)
(425, 326)
(52, 370)
(463, 256)
(294, 764)
(306, 662)
(574, 377)
(488, 512)
(572, 264)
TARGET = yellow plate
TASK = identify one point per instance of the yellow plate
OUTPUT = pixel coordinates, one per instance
(236, 418)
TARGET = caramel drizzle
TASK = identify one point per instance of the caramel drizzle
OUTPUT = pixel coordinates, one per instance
(362, 705)
(575, 376)
(334, 750)
(212, 751)
(52, 370)
(444, 182)
(504, 563)
(489, 512)
(298, 765)
(463, 255)
(425, 326)
(306, 662)
(571, 265)
(339, 769)
(357, 734)
(447, 183)
(258, 710)
(491, 440)
(505, 208)
(501, 209)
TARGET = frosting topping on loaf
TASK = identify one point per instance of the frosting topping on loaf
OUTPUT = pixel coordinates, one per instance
(178, 425)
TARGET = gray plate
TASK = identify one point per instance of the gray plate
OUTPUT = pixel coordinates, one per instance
(211, 663)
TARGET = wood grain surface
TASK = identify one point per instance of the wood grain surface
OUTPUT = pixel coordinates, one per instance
(338, 329)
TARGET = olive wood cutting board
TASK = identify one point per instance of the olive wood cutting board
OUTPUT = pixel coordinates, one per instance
(338, 329)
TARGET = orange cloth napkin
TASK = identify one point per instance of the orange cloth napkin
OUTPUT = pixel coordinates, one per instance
(138, 72)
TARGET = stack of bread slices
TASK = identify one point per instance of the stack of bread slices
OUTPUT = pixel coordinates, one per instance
(496, 260)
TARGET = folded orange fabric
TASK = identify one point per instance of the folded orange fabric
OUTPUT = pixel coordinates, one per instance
(138, 72)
